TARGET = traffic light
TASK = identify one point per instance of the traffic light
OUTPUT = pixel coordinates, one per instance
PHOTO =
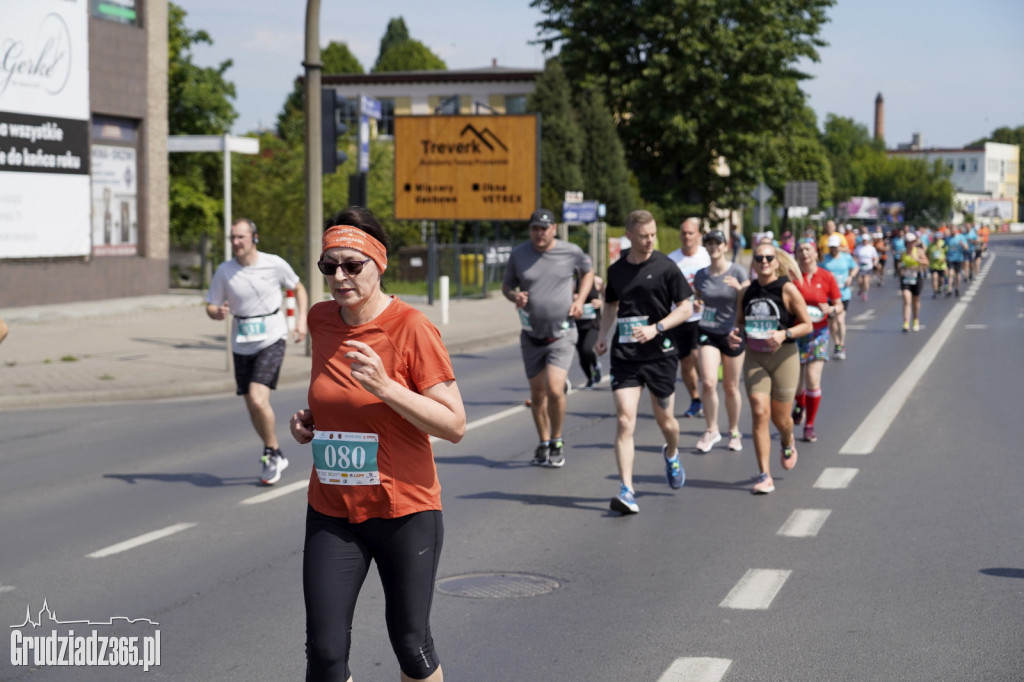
(333, 114)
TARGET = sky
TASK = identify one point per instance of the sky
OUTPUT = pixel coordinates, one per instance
(946, 70)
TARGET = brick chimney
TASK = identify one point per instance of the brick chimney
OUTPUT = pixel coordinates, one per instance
(880, 118)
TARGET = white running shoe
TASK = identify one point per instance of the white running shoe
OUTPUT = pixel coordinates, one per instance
(708, 440)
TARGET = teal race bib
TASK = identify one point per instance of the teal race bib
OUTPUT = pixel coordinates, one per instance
(589, 312)
(708, 316)
(626, 325)
(343, 458)
(251, 329)
(524, 319)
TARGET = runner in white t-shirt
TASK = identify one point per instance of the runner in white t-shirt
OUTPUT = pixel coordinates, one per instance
(690, 258)
(867, 259)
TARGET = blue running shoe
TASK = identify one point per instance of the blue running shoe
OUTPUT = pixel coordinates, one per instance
(696, 409)
(625, 503)
(674, 473)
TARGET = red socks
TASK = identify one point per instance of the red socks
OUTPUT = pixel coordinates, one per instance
(813, 400)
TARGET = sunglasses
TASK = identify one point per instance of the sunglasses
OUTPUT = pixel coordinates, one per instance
(761, 259)
(351, 267)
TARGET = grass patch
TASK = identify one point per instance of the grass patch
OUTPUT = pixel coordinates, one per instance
(106, 377)
(68, 358)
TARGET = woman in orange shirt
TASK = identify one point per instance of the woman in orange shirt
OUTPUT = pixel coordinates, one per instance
(381, 384)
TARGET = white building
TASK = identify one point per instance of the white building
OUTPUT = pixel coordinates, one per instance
(985, 178)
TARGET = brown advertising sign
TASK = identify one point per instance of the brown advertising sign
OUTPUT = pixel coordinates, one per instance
(467, 167)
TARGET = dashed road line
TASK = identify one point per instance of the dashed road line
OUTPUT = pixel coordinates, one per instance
(696, 669)
(804, 523)
(975, 326)
(867, 436)
(756, 589)
(835, 478)
(140, 540)
(276, 492)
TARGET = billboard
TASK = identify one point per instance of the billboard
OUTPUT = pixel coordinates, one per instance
(44, 129)
(859, 208)
(467, 167)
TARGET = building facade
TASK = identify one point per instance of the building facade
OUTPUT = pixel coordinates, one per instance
(986, 178)
(491, 90)
(83, 151)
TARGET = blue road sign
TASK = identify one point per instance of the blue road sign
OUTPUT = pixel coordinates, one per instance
(579, 212)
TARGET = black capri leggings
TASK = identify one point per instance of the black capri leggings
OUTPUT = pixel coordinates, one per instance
(335, 562)
(585, 348)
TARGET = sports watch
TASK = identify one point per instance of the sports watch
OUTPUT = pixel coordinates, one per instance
(660, 327)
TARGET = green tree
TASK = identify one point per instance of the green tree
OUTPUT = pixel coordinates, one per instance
(397, 33)
(409, 55)
(606, 177)
(849, 147)
(561, 141)
(924, 188)
(336, 59)
(691, 82)
(198, 104)
(795, 153)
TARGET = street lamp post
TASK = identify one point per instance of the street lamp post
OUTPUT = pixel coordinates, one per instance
(314, 162)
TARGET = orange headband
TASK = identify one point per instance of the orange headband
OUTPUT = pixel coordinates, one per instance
(348, 237)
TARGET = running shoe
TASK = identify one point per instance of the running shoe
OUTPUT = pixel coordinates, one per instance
(798, 415)
(906, 327)
(763, 485)
(674, 473)
(596, 377)
(556, 454)
(625, 503)
(708, 440)
(696, 409)
(540, 455)
(789, 456)
(735, 441)
(809, 435)
(273, 464)
(840, 353)
(917, 326)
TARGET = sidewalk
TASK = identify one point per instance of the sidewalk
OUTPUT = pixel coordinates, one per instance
(165, 346)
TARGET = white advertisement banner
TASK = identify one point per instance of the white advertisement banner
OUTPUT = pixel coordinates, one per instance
(114, 205)
(44, 133)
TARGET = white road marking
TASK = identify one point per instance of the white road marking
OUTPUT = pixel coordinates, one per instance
(756, 589)
(140, 540)
(276, 492)
(857, 327)
(6, 588)
(835, 478)
(804, 523)
(864, 440)
(868, 314)
(975, 326)
(696, 670)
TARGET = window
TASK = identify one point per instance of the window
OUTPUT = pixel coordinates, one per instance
(386, 125)
(974, 165)
(448, 105)
(515, 104)
(962, 167)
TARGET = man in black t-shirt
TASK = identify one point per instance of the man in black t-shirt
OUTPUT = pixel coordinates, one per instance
(640, 291)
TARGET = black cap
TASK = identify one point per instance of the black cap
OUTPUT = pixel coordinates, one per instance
(715, 236)
(542, 216)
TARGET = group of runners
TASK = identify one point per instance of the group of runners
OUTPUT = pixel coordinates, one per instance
(775, 326)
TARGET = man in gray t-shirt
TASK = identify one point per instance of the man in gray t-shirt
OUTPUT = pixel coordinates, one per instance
(541, 280)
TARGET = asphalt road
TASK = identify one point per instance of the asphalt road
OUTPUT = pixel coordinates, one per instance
(903, 563)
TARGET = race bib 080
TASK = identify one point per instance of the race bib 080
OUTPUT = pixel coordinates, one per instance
(343, 458)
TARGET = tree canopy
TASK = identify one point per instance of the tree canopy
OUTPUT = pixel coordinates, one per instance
(691, 82)
(199, 103)
(561, 141)
(336, 58)
(409, 55)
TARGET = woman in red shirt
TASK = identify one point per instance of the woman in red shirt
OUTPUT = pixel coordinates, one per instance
(821, 292)
(381, 384)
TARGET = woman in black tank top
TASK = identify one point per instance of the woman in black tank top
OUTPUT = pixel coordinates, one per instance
(771, 315)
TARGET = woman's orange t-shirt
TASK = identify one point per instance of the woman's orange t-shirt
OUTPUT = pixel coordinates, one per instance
(412, 353)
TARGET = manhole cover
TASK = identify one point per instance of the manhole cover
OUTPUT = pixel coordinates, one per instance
(497, 585)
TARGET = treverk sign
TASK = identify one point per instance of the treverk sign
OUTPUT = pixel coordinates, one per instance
(467, 167)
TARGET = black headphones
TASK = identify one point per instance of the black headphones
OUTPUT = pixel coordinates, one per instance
(255, 232)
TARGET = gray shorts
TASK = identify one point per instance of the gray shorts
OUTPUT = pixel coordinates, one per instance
(539, 353)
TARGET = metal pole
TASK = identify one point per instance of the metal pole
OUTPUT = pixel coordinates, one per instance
(227, 242)
(314, 162)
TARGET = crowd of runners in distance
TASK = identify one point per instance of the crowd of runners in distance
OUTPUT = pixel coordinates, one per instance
(775, 325)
